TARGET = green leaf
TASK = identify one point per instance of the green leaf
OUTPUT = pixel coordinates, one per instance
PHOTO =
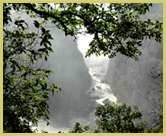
(36, 23)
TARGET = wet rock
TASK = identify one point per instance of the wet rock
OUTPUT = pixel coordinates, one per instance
(106, 101)
(95, 97)
(98, 87)
(93, 89)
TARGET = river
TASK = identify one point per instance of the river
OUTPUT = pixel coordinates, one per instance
(99, 91)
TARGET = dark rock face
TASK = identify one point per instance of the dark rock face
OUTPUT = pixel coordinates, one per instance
(131, 80)
(106, 101)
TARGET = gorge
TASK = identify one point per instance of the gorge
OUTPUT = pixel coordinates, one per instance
(85, 85)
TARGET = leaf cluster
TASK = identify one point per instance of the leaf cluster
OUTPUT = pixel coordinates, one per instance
(116, 27)
(114, 118)
(25, 89)
(78, 128)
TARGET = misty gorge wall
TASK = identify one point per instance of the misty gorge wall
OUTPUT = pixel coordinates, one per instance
(72, 76)
(130, 80)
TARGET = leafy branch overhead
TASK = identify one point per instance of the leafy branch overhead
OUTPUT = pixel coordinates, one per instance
(116, 27)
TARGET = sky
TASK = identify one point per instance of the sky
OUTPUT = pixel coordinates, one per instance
(83, 46)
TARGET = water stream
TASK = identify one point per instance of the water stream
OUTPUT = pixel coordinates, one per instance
(100, 89)
(98, 92)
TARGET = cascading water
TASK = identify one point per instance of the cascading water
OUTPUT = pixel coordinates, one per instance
(82, 87)
(99, 89)
(99, 92)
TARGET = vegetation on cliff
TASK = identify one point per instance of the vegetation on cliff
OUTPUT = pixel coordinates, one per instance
(25, 87)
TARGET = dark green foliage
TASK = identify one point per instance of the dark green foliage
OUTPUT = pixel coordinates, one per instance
(114, 30)
(77, 128)
(25, 90)
(114, 118)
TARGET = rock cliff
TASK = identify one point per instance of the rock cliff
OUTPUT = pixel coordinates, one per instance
(133, 82)
(71, 74)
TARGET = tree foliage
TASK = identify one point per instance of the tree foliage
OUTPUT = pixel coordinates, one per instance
(77, 128)
(114, 118)
(116, 27)
(25, 89)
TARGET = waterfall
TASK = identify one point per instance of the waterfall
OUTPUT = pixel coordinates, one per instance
(82, 87)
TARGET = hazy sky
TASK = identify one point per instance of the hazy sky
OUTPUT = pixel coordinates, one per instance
(83, 46)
